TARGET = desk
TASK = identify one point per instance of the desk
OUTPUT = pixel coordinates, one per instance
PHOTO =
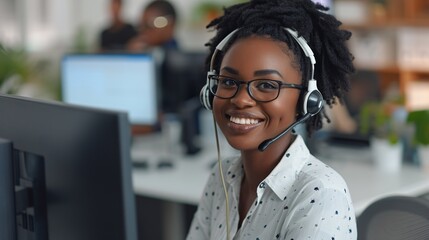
(367, 183)
(184, 182)
(181, 184)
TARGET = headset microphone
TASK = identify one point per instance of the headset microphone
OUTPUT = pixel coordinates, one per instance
(267, 142)
(312, 106)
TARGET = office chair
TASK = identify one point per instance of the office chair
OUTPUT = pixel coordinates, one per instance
(394, 218)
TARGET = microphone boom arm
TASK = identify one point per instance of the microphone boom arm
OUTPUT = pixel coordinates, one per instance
(267, 142)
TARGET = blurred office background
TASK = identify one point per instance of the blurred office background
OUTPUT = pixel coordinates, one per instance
(40, 32)
(389, 43)
(389, 35)
(388, 40)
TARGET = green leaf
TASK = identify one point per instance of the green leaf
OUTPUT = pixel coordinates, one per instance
(420, 119)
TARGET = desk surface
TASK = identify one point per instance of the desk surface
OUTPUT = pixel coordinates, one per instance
(184, 182)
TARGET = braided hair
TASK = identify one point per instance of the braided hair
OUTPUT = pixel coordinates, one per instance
(310, 20)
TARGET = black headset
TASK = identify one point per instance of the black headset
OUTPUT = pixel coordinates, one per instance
(313, 99)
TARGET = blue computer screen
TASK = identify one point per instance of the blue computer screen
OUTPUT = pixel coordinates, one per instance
(125, 82)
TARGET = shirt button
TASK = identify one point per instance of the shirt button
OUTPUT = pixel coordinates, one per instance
(262, 185)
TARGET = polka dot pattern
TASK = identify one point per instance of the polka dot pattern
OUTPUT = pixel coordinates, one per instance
(302, 198)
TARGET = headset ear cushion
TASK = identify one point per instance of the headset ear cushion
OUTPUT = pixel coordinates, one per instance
(206, 98)
(313, 102)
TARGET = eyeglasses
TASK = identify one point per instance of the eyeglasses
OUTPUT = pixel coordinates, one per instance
(260, 90)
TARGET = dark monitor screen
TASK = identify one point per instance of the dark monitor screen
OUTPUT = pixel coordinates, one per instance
(182, 77)
(71, 171)
(125, 82)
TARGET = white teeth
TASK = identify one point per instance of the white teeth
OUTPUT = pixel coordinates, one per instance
(243, 120)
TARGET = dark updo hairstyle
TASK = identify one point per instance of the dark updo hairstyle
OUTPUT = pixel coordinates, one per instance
(310, 20)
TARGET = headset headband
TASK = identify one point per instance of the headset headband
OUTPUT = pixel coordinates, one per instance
(301, 41)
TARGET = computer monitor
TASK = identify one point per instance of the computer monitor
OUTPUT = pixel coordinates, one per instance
(65, 172)
(125, 82)
(182, 76)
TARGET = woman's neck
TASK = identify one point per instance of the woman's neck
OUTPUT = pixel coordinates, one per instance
(257, 165)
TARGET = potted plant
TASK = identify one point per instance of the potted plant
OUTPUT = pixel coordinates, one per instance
(22, 74)
(383, 124)
(420, 121)
(14, 70)
(206, 11)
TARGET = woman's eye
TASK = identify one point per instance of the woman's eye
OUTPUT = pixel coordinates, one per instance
(266, 85)
(227, 82)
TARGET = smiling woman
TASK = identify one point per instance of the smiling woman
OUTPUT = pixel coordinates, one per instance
(270, 63)
(261, 83)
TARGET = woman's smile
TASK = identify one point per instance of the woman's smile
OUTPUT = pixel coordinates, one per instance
(242, 124)
(243, 121)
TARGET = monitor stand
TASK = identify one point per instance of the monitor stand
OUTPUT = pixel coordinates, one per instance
(24, 179)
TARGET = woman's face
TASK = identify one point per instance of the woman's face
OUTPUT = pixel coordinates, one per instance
(245, 122)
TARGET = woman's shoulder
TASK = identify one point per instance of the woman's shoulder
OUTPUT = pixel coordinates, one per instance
(317, 172)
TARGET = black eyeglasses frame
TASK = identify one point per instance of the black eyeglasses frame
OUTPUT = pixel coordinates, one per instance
(238, 83)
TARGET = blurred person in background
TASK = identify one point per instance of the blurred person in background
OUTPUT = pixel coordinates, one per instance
(116, 36)
(156, 27)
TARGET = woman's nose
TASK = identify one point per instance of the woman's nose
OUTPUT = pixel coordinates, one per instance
(243, 98)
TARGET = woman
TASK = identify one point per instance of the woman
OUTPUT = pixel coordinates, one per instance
(260, 85)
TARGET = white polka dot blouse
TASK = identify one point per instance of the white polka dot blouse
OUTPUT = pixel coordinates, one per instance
(302, 198)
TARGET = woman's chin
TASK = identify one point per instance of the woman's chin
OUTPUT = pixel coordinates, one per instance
(242, 145)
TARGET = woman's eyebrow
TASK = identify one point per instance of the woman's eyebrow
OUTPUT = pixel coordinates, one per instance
(257, 73)
(264, 72)
(230, 70)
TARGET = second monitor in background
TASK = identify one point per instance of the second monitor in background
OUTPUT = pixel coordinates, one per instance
(125, 82)
(182, 77)
(364, 88)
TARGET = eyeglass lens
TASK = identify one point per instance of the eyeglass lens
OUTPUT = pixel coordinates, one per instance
(260, 90)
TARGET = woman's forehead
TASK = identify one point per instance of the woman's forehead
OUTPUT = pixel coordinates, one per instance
(257, 50)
